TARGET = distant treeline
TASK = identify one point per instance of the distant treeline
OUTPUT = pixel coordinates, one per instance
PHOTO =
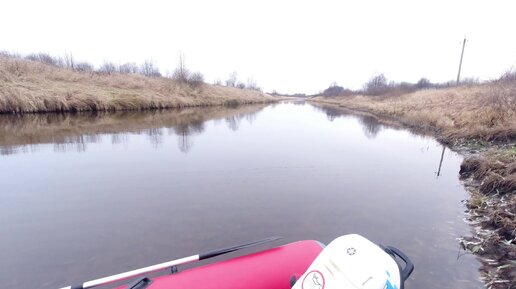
(379, 85)
(68, 61)
(148, 68)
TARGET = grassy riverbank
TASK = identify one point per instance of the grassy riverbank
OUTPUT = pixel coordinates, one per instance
(480, 122)
(29, 86)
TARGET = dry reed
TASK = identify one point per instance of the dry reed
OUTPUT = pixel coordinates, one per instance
(484, 111)
(482, 119)
(28, 86)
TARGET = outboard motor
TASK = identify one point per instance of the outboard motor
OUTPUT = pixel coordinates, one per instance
(354, 262)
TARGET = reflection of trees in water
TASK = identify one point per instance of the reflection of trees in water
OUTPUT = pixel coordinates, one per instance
(119, 138)
(76, 143)
(185, 130)
(298, 102)
(184, 143)
(155, 136)
(332, 113)
(74, 131)
(251, 117)
(370, 125)
(8, 150)
(233, 122)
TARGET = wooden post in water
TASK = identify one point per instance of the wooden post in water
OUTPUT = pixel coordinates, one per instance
(460, 63)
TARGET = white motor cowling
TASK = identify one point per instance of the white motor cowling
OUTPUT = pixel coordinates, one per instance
(354, 262)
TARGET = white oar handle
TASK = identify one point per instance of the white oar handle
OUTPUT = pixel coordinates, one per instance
(133, 273)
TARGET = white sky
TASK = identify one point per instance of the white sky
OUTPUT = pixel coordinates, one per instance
(289, 46)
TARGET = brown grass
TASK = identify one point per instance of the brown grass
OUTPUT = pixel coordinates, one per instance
(28, 86)
(486, 111)
(479, 120)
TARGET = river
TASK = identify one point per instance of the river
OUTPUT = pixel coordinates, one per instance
(87, 195)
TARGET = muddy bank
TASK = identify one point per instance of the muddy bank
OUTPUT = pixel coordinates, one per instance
(489, 174)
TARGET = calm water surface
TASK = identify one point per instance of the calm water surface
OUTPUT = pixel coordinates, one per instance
(83, 196)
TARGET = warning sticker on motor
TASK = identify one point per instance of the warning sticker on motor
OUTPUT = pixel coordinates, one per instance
(313, 280)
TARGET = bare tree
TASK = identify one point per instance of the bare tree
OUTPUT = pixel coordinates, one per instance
(232, 80)
(423, 83)
(251, 84)
(107, 67)
(69, 61)
(43, 58)
(336, 90)
(376, 85)
(148, 68)
(5, 53)
(508, 76)
(128, 67)
(183, 75)
(196, 79)
(83, 66)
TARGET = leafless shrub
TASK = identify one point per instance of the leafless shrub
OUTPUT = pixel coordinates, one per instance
(43, 58)
(251, 84)
(469, 81)
(423, 83)
(508, 77)
(377, 85)
(148, 68)
(217, 82)
(336, 90)
(107, 68)
(129, 67)
(240, 85)
(83, 67)
(232, 80)
(196, 79)
(69, 61)
(5, 53)
(183, 76)
(397, 89)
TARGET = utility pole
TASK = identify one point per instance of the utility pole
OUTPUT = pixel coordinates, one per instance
(461, 55)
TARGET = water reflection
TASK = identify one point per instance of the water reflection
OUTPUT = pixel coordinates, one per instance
(370, 124)
(119, 138)
(438, 173)
(73, 132)
(67, 218)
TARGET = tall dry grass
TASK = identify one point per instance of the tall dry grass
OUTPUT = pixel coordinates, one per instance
(483, 111)
(464, 115)
(28, 86)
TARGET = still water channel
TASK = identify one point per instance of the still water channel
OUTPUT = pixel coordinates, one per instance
(87, 195)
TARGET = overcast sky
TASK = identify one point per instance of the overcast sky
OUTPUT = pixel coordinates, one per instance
(288, 46)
